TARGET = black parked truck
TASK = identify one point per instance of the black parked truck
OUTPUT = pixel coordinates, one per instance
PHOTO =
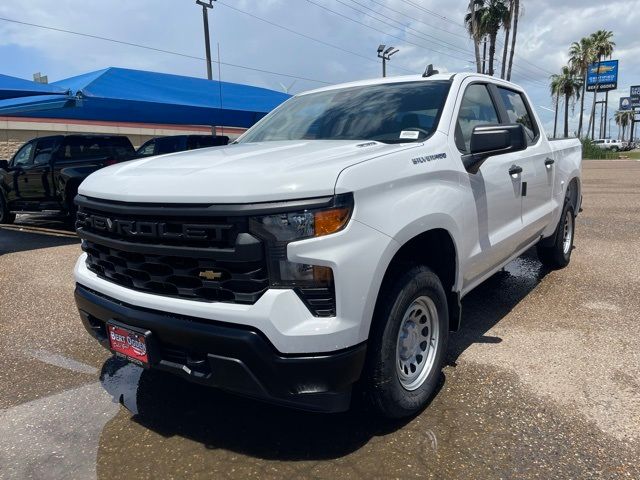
(44, 174)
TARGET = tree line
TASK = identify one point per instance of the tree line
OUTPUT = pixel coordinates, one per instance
(570, 84)
(484, 20)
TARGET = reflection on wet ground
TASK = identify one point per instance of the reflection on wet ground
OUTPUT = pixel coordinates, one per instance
(483, 424)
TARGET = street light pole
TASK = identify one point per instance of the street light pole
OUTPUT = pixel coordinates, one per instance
(386, 55)
(206, 5)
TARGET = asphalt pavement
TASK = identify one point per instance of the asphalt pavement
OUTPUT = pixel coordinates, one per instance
(543, 381)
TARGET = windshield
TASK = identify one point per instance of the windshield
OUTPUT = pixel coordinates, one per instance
(389, 113)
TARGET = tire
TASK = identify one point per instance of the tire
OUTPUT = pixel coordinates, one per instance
(557, 254)
(412, 299)
(614, 149)
(6, 217)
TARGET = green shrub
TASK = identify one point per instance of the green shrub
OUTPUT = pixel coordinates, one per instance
(589, 150)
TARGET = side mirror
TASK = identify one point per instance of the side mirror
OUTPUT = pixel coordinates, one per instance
(4, 165)
(490, 140)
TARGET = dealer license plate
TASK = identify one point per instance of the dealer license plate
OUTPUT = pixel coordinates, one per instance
(128, 343)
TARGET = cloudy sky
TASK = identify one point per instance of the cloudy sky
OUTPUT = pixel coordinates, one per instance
(320, 41)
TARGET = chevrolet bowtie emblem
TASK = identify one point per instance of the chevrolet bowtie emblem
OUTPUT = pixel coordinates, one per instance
(210, 275)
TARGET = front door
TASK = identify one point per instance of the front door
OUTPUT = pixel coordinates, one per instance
(39, 173)
(20, 164)
(496, 213)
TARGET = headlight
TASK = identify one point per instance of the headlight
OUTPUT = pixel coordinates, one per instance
(279, 229)
(289, 227)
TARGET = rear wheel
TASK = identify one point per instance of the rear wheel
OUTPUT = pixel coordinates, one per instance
(408, 344)
(6, 216)
(558, 253)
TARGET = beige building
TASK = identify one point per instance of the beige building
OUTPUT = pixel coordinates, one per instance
(15, 131)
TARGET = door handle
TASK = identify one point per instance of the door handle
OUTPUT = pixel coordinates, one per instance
(549, 161)
(515, 170)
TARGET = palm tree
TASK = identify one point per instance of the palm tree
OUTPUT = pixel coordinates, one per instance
(472, 22)
(603, 46)
(515, 15)
(581, 55)
(620, 118)
(507, 31)
(567, 85)
(493, 16)
(623, 118)
(555, 95)
(489, 16)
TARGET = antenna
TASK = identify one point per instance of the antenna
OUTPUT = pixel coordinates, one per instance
(429, 71)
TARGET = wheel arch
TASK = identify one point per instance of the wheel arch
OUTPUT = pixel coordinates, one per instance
(573, 193)
(435, 248)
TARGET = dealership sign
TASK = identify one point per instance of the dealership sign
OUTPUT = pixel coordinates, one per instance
(635, 96)
(603, 76)
(625, 103)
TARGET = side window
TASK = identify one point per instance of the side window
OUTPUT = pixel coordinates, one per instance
(519, 113)
(147, 149)
(43, 151)
(23, 157)
(477, 108)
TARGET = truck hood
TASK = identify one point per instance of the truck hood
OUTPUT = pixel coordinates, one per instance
(243, 173)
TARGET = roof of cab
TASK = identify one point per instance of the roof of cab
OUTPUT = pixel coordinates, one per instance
(408, 78)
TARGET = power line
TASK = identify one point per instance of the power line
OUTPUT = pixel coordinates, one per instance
(160, 50)
(435, 14)
(428, 38)
(466, 37)
(383, 32)
(530, 79)
(309, 37)
(448, 45)
(421, 35)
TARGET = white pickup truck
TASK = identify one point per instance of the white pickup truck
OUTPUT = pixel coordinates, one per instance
(327, 249)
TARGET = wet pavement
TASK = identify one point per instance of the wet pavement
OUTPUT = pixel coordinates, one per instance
(543, 381)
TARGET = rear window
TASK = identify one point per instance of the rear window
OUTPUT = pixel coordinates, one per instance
(77, 148)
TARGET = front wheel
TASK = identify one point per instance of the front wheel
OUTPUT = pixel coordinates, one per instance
(408, 344)
(558, 253)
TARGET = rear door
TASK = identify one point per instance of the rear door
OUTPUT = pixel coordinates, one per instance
(497, 209)
(20, 164)
(536, 162)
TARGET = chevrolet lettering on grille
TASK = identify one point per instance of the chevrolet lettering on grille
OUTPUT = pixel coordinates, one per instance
(146, 229)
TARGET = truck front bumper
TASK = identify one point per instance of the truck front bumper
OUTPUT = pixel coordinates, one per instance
(232, 357)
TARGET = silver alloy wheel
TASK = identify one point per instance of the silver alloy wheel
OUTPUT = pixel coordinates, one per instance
(417, 343)
(567, 232)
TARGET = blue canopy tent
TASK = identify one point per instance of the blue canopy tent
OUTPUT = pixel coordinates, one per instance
(123, 95)
(13, 87)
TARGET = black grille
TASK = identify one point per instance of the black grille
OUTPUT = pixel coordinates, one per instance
(200, 258)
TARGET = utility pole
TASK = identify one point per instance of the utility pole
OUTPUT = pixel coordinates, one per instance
(206, 5)
(386, 55)
(606, 104)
